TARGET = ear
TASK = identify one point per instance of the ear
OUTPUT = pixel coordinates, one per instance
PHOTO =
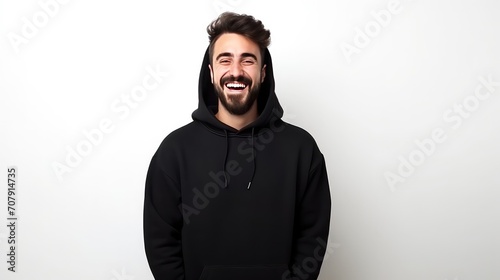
(263, 73)
(211, 73)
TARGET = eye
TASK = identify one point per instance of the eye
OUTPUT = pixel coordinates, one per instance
(248, 62)
(224, 61)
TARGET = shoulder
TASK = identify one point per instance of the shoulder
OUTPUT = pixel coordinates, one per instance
(304, 139)
(297, 133)
(177, 138)
(298, 139)
(291, 137)
(183, 132)
(170, 149)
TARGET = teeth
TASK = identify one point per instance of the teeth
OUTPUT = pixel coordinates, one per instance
(234, 85)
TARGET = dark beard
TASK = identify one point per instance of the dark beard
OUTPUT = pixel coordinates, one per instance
(237, 106)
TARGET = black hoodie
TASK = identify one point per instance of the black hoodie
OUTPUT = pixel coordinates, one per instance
(223, 204)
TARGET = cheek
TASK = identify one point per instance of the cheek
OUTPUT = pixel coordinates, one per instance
(218, 74)
(217, 78)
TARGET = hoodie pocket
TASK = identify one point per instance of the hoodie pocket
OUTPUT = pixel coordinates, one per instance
(243, 272)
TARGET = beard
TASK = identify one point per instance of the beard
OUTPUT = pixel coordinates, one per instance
(237, 104)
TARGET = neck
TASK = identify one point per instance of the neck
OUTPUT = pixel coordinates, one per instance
(237, 121)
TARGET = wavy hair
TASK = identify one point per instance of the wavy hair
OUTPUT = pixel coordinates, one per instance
(245, 25)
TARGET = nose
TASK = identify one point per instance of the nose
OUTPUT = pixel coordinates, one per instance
(236, 70)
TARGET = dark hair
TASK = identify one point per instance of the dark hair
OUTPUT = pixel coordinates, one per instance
(241, 24)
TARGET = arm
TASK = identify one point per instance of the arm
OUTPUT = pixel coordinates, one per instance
(312, 223)
(162, 224)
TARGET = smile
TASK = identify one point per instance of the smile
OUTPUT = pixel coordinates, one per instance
(235, 85)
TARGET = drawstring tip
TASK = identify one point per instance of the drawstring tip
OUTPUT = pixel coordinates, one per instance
(249, 183)
(225, 180)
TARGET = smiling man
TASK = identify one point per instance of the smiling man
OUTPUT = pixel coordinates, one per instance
(237, 73)
(237, 194)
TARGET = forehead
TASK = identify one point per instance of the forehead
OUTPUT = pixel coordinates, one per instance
(236, 45)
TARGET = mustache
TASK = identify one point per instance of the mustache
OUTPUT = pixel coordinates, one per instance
(241, 79)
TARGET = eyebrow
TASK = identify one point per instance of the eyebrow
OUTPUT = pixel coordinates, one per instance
(232, 55)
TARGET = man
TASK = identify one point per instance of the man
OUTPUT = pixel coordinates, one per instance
(237, 194)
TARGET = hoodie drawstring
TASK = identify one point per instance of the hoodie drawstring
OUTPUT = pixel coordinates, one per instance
(224, 163)
(253, 159)
(226, 180)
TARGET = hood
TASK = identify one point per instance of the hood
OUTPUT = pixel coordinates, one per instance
(267, 102)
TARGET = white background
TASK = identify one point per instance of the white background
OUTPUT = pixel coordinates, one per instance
(367, 110)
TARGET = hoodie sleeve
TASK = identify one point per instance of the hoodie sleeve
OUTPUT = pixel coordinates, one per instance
(163, 223)
(312, 223)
